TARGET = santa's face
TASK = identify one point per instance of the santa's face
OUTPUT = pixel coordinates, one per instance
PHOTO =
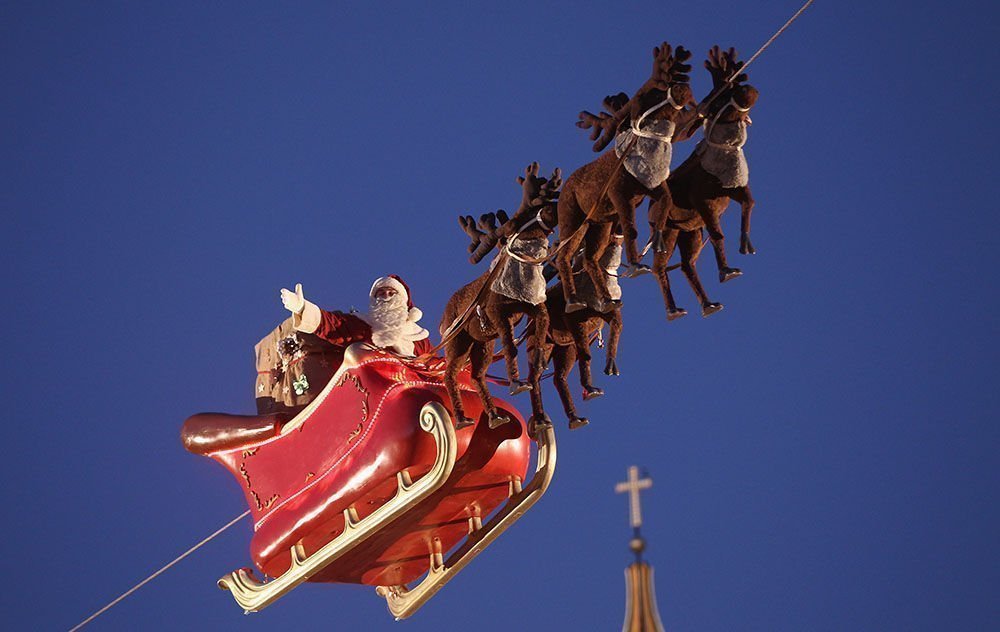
(387, 306)
(385, 293)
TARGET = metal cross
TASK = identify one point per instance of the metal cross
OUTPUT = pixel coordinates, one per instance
(632, 486)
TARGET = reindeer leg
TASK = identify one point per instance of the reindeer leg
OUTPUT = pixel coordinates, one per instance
(564, 356)
(691, 244)
(540, 317)
(659, 212)
(597, 239)
(456, 351)
(481, 356)
(660, 261)
(626, 219)
(615, 321)
(571, 218)
(581, 344)
(500, 318)
(564, 265)
(718, 244)
(745, 199)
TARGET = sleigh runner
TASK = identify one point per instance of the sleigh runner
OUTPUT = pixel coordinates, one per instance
(371, 484)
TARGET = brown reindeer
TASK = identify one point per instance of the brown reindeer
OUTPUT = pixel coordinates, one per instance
(503, 297)
(569, 334)
(702, 187)
(644, 128)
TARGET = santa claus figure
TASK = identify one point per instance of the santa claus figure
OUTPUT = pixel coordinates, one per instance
(391, 322)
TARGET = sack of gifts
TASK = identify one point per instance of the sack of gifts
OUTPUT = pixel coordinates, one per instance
(292, 368)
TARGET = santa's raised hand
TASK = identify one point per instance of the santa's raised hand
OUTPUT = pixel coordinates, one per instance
(294, 302)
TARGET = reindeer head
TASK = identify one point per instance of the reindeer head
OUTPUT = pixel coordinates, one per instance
(668, 86)
(727, 78)
(669, 82)
(538, 202)
(539, 197)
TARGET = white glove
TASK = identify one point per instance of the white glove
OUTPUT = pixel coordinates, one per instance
(293, 301)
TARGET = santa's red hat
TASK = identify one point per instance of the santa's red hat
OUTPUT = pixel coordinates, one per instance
(397, 283)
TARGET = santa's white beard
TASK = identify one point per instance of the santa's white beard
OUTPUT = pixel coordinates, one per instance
(390, 313)
(390, 326)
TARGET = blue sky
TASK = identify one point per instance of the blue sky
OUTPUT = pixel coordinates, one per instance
(824, 450)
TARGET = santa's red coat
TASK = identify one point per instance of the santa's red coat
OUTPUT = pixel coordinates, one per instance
(342, 329)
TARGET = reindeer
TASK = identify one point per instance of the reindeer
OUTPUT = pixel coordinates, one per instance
(701, 188)
(504, 296)
(644, 127)
(569, 334)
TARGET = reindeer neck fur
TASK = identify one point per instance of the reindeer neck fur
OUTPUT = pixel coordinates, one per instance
(647, 144)
(721, 151)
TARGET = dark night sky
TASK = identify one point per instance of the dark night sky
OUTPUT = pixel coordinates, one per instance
(824, 450)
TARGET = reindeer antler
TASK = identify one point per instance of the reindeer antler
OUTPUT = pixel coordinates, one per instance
(722, 65)
(538, 192)
(674, 66)
(484, 234)
(469, 226)
(603, 126)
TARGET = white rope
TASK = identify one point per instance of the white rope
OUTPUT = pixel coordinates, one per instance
(154, 575)
(714, 94)
(646, 134)
(773, 37)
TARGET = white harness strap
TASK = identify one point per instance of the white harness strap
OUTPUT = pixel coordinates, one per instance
(709, 126)
(646, 134)
(516, 257)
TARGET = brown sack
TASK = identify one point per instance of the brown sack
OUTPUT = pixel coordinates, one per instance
(292, 368)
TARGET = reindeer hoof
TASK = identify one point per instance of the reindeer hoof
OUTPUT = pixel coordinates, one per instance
(746, 248)
(611, 368)
(727, 274)
(635, 269)
(710, 309)
(538, 422)
(674, 314)
(592, 392)
(578, 422)
(496, 420)
(517, 387)
(463, 422)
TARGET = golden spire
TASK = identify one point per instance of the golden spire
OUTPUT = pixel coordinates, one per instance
(641, 614)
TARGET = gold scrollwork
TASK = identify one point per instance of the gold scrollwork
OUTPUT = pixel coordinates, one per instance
(355, 433)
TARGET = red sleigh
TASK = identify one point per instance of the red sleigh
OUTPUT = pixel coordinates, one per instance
(372, 484)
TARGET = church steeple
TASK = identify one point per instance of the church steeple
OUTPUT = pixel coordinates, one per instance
(641, 614)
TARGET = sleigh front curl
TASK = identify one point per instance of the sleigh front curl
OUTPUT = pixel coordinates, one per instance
(371, 484)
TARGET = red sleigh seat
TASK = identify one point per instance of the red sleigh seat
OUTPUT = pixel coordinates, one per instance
(370, 483)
